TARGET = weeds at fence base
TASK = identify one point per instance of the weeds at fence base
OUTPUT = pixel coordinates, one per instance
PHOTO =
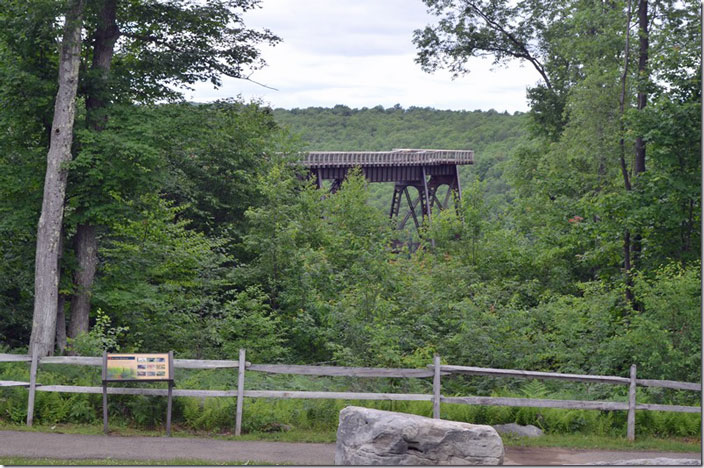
(586, 441)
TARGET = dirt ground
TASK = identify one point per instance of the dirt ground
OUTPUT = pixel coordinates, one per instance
(75, 446)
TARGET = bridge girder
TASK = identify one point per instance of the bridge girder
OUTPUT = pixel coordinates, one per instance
(423, 170)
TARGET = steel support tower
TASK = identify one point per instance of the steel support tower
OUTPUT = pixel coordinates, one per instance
(425, 170)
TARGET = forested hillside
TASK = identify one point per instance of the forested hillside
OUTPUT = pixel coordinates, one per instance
(186, 226)
(378, 129)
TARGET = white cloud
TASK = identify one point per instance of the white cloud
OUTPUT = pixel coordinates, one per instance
(359, 53)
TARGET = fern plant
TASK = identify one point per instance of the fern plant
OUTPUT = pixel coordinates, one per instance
(535, 389)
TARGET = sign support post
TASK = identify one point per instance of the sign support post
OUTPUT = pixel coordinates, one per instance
(241, 366)
(105, 392)
(171, 386)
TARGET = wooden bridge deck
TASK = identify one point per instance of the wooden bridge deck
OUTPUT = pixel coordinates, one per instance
(394, 158)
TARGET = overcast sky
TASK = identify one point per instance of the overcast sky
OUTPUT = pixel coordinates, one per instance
(359, 53)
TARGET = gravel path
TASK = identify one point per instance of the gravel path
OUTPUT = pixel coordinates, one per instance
(40, 444)
(76, 446)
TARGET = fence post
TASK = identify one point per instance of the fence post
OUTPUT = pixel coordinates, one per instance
(436, 387)
(241, 365)
(104, 376)
(32, 387)
(632, 405)
(169, 403)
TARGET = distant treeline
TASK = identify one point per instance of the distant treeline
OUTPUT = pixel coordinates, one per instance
(377, 129)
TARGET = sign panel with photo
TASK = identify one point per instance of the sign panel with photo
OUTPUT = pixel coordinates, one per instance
(145, 367)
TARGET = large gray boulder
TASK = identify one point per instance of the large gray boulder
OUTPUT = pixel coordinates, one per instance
(374, 437)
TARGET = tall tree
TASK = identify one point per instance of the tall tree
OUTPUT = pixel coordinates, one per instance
(28, 72)
(503, 30)
(592, 161)
(622, 154)
(162, 44)
(643, 78)
(50, 221)
(642, 101)
(469, 28)
(97, 97)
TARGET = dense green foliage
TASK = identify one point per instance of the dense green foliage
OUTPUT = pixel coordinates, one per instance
(210, 241)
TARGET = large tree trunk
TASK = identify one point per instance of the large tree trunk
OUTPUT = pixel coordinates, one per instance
(86, 247)
(60, 315)
(643, 78)
(97, 99)
(98, 91)
(61, 324)
(622, 157)
(46, 267)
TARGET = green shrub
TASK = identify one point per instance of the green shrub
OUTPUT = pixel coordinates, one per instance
(81, 411)
(101, 337)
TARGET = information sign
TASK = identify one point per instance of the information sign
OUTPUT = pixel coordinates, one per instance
(155, 367)
(139, 367)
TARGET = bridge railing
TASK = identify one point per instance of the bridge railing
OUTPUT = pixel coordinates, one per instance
(387, 158)
(434, 371)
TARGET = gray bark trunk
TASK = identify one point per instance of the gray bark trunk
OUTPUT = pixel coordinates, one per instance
(60, 315)
(98, 92)
(61, 325)
(46, 267)
(643, 78)
(97, 99)
(622, 157)
(643, 45)
(86, 247)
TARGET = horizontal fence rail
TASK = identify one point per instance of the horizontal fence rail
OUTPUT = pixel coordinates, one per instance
(136, 391)
(669, 384)
(434, 371)
(535, 375)
(338, 395)
(15, 358)
(12, 383)
(335, 371)
(98, 361)
(607, 379)
(537, 403)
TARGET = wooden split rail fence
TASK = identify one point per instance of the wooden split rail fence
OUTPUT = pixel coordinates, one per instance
(436, 371)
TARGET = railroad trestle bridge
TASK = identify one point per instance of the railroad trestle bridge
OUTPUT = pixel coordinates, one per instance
(425, 170)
